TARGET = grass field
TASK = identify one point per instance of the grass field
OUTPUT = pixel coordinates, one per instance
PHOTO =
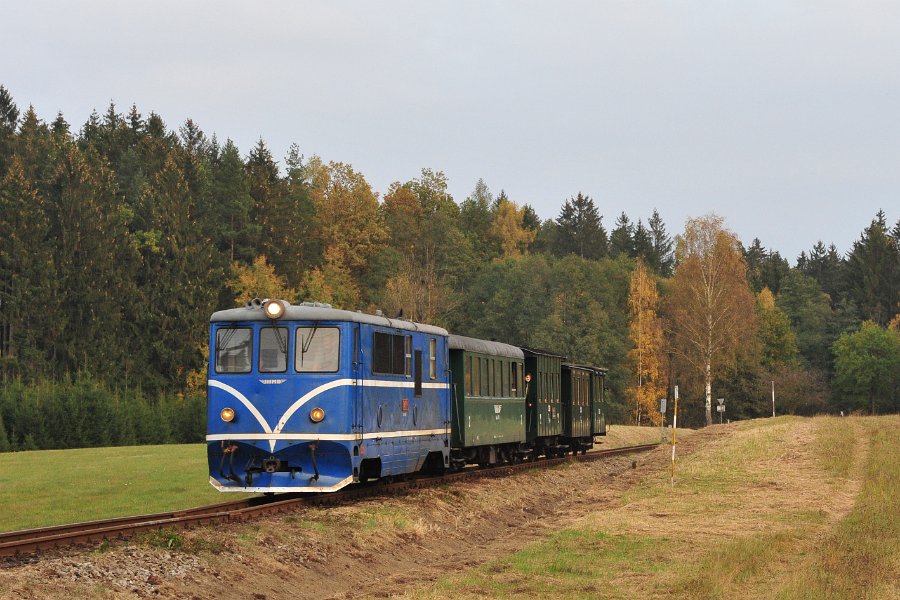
(782, 508)
(51, 487)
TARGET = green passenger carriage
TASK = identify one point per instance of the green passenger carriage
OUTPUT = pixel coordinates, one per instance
(576, 407)
(598, 401)
(487, 402)
(544, 406)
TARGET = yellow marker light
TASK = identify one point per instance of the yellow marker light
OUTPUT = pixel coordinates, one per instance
(227, 415)
(316, 415)
(274, 309)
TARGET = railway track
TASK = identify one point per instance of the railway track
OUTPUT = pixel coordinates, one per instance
(31, 541)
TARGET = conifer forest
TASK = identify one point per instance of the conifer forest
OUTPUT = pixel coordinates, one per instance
(119, 237)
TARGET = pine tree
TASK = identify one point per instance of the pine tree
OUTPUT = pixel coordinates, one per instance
(94, 257)
(811, 318)
(873, 272)
(236, 235)
(643, 242)
(663, 258)
(179, 278)
(27, 277)
(827, 267)
(580, 229)
(9, 118)
(621, 240)
(475, 219)
(754, 257)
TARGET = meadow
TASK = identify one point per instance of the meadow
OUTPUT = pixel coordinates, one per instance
(780, 508)
(52, 487)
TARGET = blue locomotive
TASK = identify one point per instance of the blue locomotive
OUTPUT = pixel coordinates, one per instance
(307, 398)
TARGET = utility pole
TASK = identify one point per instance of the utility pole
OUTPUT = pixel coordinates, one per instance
(773, 397)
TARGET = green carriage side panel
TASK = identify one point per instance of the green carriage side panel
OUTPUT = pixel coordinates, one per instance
(576, 401)
(544, 408)
(487, 403)
(598, 401)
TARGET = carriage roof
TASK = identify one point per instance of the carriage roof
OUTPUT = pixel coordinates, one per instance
(461, 342)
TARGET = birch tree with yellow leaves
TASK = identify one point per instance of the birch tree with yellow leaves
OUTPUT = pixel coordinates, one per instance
(646, 333)
(711, 307)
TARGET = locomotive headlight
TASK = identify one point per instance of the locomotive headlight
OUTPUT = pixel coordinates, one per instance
(227, 415)
(274, 309)
(316, 415)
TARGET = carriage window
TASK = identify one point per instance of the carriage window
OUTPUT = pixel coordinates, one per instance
(467, 367)
(476, 376)
(391, 354)
(234, 347)
(432, 358)
(273, 349)
(317, 349)
(514, 377)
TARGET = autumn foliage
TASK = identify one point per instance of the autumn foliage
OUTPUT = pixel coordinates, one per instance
(711, 308)
(646, 333)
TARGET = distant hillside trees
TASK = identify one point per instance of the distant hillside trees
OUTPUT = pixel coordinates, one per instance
(867, 369)
(118, 238)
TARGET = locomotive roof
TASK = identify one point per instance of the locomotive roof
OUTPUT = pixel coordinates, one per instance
(309, 311)
(461, 342)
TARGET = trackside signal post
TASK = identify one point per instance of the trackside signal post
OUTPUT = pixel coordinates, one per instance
(662, 420)
(674, 427)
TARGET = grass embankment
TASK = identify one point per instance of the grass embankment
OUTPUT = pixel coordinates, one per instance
(618, 436)
(51, 487)
(779, 508)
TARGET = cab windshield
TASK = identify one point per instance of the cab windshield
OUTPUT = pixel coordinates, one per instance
(234, 347)
(317, 349)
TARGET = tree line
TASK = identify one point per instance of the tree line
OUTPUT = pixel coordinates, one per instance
(119, 239)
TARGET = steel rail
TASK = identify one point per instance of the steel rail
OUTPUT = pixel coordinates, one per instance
(31, 541)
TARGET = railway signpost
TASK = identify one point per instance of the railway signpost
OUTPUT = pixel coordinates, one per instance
(674, 427)
(662, 420)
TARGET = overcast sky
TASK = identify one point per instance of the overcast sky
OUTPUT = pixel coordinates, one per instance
(783, 117)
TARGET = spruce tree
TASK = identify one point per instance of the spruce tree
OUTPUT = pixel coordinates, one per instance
(663, 257)
(621, 240)
(873, 272)
(580, 229)
(643, 242)
(9, 118)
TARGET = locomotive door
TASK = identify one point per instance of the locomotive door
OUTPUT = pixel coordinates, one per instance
(358, 409)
